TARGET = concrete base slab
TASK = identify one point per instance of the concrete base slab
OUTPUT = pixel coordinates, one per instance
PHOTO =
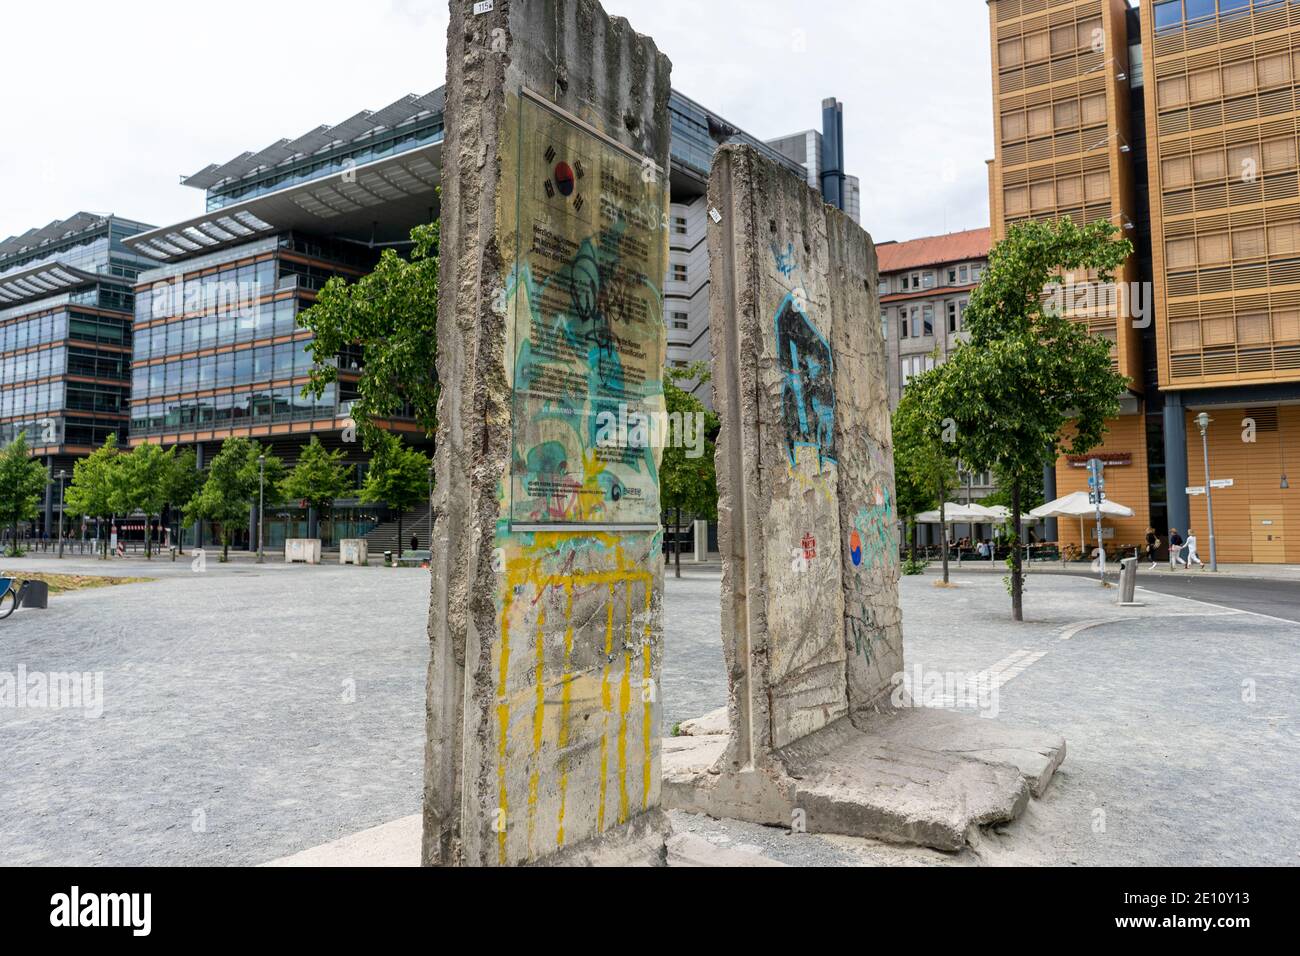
(714, 722)
(917, 776)
(1036, 753)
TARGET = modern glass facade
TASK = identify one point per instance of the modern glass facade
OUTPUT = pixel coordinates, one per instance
(65, 334)
(218, 349)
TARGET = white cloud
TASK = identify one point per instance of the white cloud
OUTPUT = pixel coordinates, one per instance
(119, 100)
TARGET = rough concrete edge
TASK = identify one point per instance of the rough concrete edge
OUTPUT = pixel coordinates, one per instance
(712, 724)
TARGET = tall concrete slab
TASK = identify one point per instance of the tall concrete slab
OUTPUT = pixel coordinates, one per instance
(807, 525)
(811, 627)
(544, 624)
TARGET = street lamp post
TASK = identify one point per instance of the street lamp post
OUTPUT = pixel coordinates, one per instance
(62, 475)
(261, 504)
(1203, 421)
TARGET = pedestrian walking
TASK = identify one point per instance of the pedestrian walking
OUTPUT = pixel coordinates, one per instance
(1153, 543)
(1175, 549)
(1192, 556)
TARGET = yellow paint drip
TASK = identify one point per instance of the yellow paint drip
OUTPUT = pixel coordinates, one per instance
(566, 703)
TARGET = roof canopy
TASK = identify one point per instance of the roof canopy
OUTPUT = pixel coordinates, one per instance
(354, 127)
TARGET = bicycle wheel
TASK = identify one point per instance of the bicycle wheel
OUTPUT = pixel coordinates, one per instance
(8, 602)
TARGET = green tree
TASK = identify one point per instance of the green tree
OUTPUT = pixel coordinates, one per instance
(93, 492)
(1031, 384)
(319, 477)
(390, 316)
(22, 482)
(925, 470)
(231, 487)
(398, 476)
(146, 477)
(182, 484)
(688, 481)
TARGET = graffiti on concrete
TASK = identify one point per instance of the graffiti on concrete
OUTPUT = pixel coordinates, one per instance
(873, 535)
(808, 389)
(784, 259)
(586, 313)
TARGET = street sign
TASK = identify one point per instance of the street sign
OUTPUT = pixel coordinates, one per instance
(1221, 483)
(1196, 491)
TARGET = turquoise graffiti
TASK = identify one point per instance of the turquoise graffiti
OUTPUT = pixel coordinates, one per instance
(872, 540)
(581, 319)
(808, 391)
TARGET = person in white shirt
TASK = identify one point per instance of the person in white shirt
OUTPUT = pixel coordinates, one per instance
(1192, 556)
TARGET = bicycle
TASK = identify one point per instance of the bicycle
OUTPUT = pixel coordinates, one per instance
(11, 598)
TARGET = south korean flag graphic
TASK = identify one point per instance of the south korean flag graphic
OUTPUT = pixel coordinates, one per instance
(563, 179)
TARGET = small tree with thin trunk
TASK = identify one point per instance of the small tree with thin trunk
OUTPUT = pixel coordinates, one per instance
(924, 467)
(182, 484)
(319, 478)
(398, 477)
(147, 473)
(94, 487)
(22, 482)
(1031, 383)
(231, 488)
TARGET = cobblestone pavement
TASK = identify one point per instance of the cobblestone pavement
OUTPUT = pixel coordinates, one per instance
(251, 712)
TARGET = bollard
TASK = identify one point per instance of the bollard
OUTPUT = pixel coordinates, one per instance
(35, 594)
(1128, 582)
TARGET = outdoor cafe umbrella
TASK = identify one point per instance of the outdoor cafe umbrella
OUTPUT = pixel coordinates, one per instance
(954, 513)
(1076, 505)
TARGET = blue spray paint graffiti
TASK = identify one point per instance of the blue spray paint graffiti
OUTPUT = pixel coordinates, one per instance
(808, 394)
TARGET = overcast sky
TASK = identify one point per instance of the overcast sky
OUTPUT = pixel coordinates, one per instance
(110, 103)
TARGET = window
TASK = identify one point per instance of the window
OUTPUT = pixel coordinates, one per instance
(952, 316)
(679, 271)
(679, 225)
(927, 281)
(1169, 16)
(928, 320)
(1198, 10)
(884, 325)
(680, 320)
(902, 323)
(952, 276)
(964, 272)
(916, 323)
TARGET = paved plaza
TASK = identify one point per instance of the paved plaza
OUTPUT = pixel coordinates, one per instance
(251, 712)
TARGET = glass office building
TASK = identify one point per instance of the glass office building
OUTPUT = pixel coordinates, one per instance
(66, 307)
